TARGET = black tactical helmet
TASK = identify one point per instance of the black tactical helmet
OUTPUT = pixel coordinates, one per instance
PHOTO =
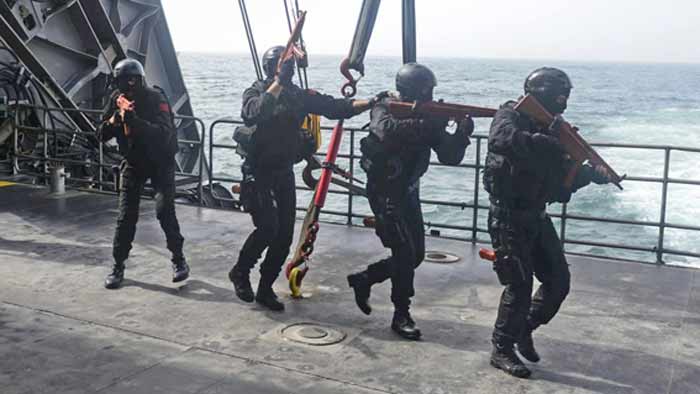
(548, 81)
(415, 82)
(270, 59)
(126, 70)
(551, 87)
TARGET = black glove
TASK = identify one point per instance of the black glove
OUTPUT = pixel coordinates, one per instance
(286, 73)
(598, 175)
(546, 143)
(466, 127)
(378, 98)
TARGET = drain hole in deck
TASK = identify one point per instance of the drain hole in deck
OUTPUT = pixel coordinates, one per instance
(313, 334)
(433, 256)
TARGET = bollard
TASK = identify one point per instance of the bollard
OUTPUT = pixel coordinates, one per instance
(58, 179)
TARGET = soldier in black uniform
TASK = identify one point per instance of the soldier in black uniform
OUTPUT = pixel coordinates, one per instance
(525, 170)
(276, 109)
(141, 120)
(395, 155)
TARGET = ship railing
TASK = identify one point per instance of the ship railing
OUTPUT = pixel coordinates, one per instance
(473, 232)
(47, 158)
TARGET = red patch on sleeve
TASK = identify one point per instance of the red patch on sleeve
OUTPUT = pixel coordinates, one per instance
(164, 107)
(312, 92)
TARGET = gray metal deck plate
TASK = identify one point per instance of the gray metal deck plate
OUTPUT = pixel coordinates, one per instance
(626, 328)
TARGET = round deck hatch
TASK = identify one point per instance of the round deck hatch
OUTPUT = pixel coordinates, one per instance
(313, 334)
(434, 256)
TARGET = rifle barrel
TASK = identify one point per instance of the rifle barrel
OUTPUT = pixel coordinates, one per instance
(455, 111)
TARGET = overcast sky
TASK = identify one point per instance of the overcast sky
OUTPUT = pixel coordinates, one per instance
(592, 30)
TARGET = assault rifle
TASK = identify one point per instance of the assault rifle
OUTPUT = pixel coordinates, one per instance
(439, 108)
(578, 149)
(292, 50)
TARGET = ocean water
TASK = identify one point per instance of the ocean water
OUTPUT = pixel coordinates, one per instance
(622, 103)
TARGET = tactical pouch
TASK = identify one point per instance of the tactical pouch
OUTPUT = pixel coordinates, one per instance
(370, 146)
(390, 227)
(508, 269)
(249, 199)
(498, 176)
(243, 136)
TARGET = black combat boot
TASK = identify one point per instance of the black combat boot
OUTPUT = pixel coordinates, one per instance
(526, 347)
(181, 270)
(503, 357)
(241, 283)
(114, 280)
(403, 325)
(266, 296)
(268, 299)
(361, 286)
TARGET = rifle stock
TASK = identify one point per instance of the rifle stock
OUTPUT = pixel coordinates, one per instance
(452, 111)
(291, 49)
(577, 148)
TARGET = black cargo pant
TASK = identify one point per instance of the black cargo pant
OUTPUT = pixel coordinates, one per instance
(272, 204)
(132, 182)
(528, 240)
(399, 225)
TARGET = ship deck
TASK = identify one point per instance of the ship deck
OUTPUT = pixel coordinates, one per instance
(625, 328)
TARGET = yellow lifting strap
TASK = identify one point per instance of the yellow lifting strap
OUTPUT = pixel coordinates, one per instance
(312, 124)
